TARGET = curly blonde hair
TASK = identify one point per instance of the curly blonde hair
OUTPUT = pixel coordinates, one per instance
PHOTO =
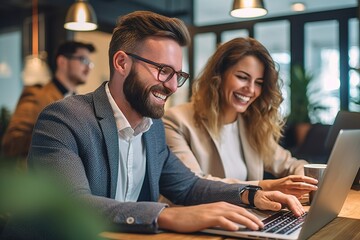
(262, 118)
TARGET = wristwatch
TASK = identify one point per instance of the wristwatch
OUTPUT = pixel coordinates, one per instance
(252, 189)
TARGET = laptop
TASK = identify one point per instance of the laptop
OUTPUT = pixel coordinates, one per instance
(343, 164)
(343, 120)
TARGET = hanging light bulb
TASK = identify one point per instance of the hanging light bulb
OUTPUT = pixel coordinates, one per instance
(248, 8)
(298, 7)
(36, 71)
(81, 17)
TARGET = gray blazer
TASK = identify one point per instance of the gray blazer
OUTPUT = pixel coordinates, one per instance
(77, 138)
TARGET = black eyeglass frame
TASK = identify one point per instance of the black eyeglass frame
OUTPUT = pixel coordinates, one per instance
(82, 59)
(181, 76)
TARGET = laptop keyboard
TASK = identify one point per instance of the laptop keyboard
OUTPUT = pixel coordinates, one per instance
(283, 223)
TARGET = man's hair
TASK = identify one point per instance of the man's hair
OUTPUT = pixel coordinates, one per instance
(70, 47)
(135, 27)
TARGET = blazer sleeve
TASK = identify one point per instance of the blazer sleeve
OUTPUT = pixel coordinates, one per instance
(183, 187)
(283, 163)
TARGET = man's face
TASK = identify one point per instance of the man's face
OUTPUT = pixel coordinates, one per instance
(142, 89)
(138, 95)
(79, 66)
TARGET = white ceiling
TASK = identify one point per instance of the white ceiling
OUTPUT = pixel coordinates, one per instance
(208, 12)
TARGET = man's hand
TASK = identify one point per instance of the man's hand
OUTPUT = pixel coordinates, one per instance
(275, 200)
(196, 218)
(296, 185)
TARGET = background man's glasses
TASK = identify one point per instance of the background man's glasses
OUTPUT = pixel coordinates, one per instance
(165, 72)
(82, 59)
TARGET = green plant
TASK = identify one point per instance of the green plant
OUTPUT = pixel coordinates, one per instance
(356, 100)
(299, 99)
(4, 120)
(40, 206)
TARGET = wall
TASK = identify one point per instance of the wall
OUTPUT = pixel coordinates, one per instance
(100, 72)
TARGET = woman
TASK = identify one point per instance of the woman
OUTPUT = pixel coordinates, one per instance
(230, 129)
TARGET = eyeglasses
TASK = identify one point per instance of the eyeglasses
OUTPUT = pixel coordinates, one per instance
(82, 59)
(165, 72)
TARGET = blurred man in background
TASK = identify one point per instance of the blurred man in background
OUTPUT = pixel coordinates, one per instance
(72, 68)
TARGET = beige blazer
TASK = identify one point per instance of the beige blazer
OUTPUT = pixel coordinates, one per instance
(199, 150)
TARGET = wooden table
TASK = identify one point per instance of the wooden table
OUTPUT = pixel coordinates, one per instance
(345, 226)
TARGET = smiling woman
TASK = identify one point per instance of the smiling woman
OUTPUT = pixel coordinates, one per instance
(229, 130)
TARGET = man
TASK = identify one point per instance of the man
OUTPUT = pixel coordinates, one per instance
(72, 69)
(110, 147)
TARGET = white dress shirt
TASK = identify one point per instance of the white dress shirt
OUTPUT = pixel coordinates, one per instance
(231, 152)
(132, 154)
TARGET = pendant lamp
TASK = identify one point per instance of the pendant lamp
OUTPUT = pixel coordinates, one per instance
(81, 17)
(248, 8)
(36, 70)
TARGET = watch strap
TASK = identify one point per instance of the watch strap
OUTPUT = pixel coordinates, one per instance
(251, 193)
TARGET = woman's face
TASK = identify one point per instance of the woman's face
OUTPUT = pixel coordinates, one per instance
(242, 85)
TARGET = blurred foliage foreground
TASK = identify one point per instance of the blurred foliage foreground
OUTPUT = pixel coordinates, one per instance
(38, 207)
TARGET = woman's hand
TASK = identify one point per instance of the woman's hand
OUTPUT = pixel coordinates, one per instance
(296, 185)
(275, 201)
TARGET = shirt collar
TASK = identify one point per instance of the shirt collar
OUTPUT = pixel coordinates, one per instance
(61, 87)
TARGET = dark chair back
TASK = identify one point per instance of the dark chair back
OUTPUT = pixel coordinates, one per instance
(344, 120)
(313, 149)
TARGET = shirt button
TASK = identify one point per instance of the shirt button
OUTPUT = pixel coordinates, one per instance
(130, 220)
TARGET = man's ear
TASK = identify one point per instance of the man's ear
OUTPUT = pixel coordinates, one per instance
(120, 62)
(61, 61)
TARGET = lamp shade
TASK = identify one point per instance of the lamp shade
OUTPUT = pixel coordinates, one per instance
(81, 17)
(248, 8)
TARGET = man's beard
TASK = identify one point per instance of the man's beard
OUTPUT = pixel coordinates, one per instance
(75, 79)
(139, 97)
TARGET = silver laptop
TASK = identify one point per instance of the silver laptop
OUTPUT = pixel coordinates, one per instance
(343, 164)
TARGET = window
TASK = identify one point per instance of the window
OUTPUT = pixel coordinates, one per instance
(275, 36)
(10, 69)
(354, 84)
(228, 35)
(204, 47)
(322, 62)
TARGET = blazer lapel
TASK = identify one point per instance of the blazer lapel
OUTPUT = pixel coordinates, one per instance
(151, 164)
(216, 151)
(107, 123)
(213, 138)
